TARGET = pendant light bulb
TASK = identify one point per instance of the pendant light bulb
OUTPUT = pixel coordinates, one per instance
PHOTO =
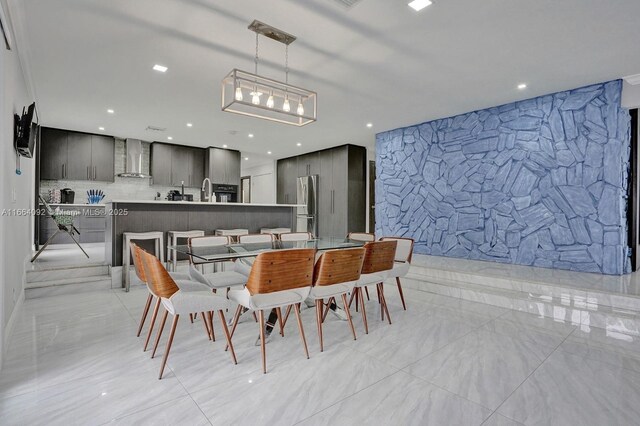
(300, 109)
(255, 98)
(270, 102)
(285, 106)
(238, 94)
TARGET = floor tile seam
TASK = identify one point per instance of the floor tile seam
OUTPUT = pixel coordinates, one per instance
(123, 416)
(188, 393)
(349, 396)
(527, 378)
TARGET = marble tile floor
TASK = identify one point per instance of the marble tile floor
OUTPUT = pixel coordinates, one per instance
(75, 360)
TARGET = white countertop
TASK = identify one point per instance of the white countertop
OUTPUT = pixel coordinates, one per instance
(75, 205)
(201, 203)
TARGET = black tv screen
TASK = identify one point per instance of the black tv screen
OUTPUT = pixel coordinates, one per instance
(26, 132)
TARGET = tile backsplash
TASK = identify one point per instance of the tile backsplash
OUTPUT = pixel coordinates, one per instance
(122, 188)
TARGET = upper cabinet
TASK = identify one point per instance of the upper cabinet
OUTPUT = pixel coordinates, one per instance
(287, 177)
(173, 165)
(76, 156)
(309, 164)
(223, 166)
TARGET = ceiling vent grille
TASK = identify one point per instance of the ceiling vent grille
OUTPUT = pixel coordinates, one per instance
(347, 3)
(156, 129)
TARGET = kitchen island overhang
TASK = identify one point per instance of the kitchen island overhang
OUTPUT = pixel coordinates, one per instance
(164, 216)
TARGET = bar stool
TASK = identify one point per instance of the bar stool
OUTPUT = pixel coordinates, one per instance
(296, 236)
(172, 239)
(361, 236)
(233, 233)
(275, 231)
(127, 237)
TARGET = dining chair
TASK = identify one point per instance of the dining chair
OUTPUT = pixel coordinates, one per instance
(378, 261)
(181, 279)
(206, 241)
(278, 279)
(361, 236)
(256, 238)
(335, 274)
(296, 236)
(178, 302)
(402, 262)
(215, 280)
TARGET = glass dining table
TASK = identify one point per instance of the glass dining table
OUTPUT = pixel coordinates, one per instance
(238, 250)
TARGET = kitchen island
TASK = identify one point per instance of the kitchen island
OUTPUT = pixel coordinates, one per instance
(147, 216)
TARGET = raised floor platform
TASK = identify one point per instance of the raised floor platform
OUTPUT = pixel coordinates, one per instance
(583, 299)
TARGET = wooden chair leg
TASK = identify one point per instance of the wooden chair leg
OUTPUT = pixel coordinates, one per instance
(144, 313)
(206, 326)
(236, 317)
(209, 316)
(384, 302)
(169, 342)
(227, 336)
(319, 315)
(364, 313)
(154, 315)
(286, 316)
(263, 349)
(191, 318)
(164, 320)
(358, 296)
(404, 306)
(353, 295)
(366, 290)
(346, 309)
(304, 340)
(280, 322)
(380, 302)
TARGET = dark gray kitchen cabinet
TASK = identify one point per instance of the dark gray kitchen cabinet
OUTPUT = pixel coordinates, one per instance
(180, 166)
(287, 176)
(341, 187)
(309, 164)
(223, 166)
(196, 162)
(161, 164)
(76, 156)
(103, 158)
(53, 154)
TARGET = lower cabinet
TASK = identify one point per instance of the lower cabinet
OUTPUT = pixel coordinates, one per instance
(90, 221)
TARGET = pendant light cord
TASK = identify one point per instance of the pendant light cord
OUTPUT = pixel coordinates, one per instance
(256, 60)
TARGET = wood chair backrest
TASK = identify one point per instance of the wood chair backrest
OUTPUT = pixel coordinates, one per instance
(361, 236)
(206, 241)
(404, 251)
(158, 277)
(256, 238)
(281, 270)
(137, 262)
(379, 256)
(338, 266)
(296, 236)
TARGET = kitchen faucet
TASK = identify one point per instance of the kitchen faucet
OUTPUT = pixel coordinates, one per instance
(210, 187)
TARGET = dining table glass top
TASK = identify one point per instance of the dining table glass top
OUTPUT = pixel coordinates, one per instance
(238, 250)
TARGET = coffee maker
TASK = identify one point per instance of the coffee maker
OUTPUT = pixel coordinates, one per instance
(225, 193)
(67, 196)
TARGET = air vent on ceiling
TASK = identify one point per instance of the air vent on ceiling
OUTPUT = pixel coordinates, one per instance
(156, 128)
(633, 79)
(347, 3)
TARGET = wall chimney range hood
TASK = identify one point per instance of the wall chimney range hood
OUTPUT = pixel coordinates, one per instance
(133, 161)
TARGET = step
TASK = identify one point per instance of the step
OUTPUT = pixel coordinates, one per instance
(60, 273)
(66, 286)
(621, 292)
(576, 311)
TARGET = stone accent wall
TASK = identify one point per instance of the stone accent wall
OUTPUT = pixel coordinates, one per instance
(539, 182)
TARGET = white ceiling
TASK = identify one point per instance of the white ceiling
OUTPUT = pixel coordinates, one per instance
(378, 62)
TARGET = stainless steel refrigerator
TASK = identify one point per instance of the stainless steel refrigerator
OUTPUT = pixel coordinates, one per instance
(307, 218)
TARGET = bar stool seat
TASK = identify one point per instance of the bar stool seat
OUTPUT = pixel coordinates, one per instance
(233, 233)
(172, 239)
(275, 231)
(127, 237)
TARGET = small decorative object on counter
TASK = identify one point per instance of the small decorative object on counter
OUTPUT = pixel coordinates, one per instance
(54, 196)
(95, 196)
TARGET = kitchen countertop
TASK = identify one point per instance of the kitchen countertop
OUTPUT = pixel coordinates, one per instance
(74, 205)
(202, 203)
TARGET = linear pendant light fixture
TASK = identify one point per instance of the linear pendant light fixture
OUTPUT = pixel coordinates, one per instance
(261, 97)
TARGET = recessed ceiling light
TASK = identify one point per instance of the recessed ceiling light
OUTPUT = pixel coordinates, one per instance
(250, 135)
(522, 86)
(189, 124)
(101, 128)
(224, 146)
(299, 144)
(160, 68)
(369, 125)
(418, 5)
(110, 111)
(246, 158)
(170, 138)
(269, 152)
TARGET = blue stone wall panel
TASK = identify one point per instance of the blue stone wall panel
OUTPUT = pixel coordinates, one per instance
(540, 182)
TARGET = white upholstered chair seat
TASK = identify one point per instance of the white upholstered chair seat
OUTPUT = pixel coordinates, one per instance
(189, 286)
(400, 269)
(188, 302)
(269, 300)
(371, 279)
(326, 291)
(179, 275)
(218, 280)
